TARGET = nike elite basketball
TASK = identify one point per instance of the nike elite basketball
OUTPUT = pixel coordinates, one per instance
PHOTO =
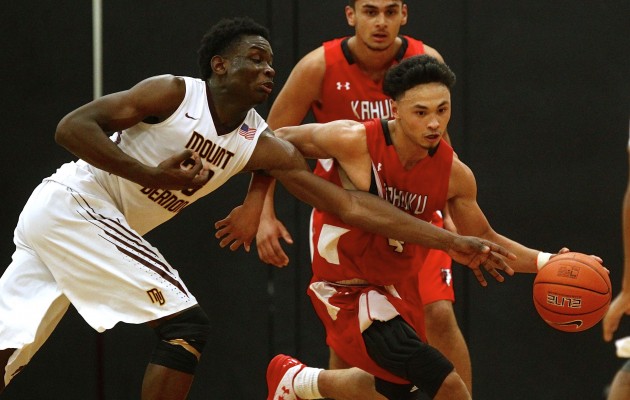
(572, 292)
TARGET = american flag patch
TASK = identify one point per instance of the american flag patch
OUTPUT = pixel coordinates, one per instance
(247, 132)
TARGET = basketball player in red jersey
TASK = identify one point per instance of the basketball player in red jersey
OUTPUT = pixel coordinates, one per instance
(343, 80)
(361, 282)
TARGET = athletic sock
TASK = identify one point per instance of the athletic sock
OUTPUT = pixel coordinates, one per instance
(305, 383)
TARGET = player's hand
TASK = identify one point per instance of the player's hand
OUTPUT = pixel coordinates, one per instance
(619, 306)
(270, 250)
(565, 250)
(478, 253)
(238, 228)
(183, 171)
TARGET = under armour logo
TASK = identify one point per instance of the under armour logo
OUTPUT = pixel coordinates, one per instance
(156, 296)
(344, 85)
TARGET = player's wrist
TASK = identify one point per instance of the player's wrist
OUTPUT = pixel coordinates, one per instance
(542, 258)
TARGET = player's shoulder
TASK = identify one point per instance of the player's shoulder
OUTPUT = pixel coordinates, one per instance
(313, 58)
(313, 63)
(430, 51)
(162, 83)
(461, 174)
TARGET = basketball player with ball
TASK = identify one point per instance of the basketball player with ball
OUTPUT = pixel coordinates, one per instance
(368, 281)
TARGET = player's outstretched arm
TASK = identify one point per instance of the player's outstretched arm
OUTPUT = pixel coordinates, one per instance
(368, 212)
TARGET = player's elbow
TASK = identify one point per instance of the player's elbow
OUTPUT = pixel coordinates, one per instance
(63, 133)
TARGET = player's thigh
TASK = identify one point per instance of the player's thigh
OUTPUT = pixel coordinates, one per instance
(107, 270)
(335, 362)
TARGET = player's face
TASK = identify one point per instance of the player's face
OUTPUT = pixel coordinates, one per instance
(423, 113)
(377, 22)
(249, 70)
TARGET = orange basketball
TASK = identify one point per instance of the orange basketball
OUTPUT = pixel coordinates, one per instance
(572, 292)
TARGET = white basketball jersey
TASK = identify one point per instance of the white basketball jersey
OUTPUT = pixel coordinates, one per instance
(190, 127)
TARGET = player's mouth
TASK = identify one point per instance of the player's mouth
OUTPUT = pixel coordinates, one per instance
(434, 137)
(380, 37)
(267, 86)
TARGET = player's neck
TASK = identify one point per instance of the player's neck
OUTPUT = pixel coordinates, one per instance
(409, 153)
(227, 112)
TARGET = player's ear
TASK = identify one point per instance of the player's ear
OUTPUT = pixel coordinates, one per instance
(350, 15)
(218, 64)
(394, 106)
(404, 15)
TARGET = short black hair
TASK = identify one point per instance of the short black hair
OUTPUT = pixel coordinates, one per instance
(414, 71)
(223, 34)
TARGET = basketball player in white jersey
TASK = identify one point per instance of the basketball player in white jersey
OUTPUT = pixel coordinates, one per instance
(173, 140)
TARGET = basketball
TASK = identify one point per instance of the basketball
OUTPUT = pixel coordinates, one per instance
(572, 292)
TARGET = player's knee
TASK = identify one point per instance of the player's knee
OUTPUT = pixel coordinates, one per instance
(453, 387)
(181, 340)
(396, 347)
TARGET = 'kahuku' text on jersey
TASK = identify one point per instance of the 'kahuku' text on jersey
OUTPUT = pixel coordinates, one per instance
(190, 127)
(349, 93)
(342, 252)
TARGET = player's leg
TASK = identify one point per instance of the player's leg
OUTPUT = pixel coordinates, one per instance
(620, 388)
(441, 328)
(181, 339)
(289, 379)
(98, 251)
(396, 347)
(31, 303)
(444, 334)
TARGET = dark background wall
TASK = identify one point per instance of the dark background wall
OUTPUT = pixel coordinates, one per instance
(541, 116)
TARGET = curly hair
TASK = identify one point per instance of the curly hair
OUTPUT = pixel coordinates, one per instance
(222, 35)
(414, 71)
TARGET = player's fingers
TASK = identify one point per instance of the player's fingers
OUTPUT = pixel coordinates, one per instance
(493, 272)
(202, 177)
(267, 255)
(480, 278)
(284, 233)
(499, 263)
(222, 232)
(495, 248)
(222, 223)
(235, 245)
(610, 326)
(279, 255)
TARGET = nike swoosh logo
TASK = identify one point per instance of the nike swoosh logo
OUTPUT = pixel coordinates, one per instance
(578, 323)
(188, 116)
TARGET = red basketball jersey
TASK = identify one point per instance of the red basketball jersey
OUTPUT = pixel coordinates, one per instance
(342, 252)
(349, 93)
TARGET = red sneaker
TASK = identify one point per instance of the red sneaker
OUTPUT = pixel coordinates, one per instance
(280, 374)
